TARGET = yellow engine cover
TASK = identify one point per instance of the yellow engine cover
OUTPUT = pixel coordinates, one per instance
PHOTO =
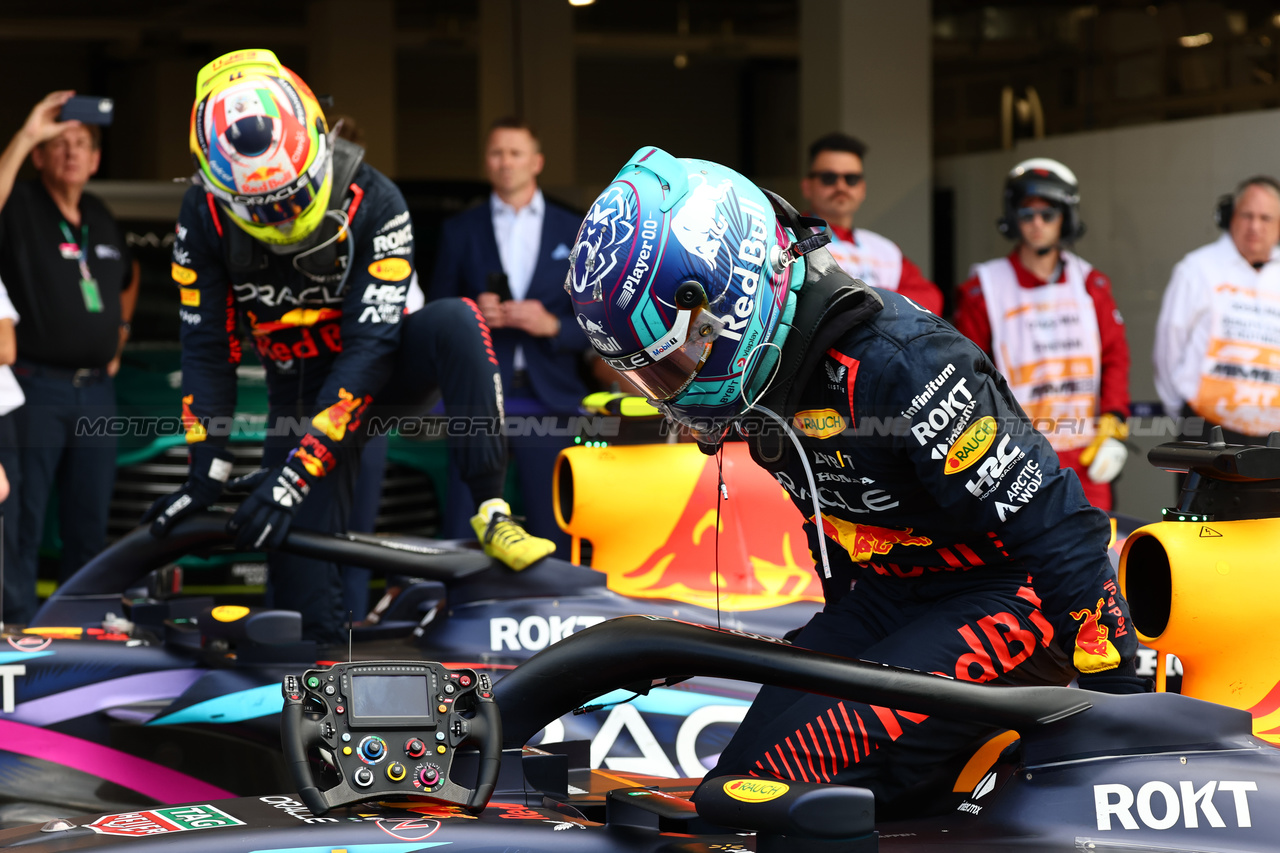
(1207, 592)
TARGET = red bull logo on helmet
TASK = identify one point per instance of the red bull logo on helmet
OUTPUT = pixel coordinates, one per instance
(1094, 651)
(865, 541)
(264, 175)
(697, 225)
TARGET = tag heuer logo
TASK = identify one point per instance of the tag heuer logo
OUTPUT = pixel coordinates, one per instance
(159, 821)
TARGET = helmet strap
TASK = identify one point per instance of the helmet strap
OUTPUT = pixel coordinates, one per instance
(807, 239)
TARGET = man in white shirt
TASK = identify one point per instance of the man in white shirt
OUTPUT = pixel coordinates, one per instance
(511, 255)
(1217, 351)
(10, 398)
(835, 188)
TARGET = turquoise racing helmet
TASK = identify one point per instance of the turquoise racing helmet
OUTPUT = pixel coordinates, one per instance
(682, 280)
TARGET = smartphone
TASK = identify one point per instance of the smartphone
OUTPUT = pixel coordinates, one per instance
(89, 109)
(498, 284)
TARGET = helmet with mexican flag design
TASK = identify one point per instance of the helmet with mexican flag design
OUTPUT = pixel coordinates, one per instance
(260, 141)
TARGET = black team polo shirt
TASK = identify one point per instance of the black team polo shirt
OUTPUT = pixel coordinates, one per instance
(42, 276)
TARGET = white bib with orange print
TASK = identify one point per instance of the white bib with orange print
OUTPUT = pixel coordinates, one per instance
(874, 259)
(1240, 371)
(1046, 343)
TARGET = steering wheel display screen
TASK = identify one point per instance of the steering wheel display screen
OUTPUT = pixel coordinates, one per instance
(379, 697)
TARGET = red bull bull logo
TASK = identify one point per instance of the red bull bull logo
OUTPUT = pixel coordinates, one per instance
(865, 541)
(1094, 652)
(763, 559)
(314, 456)
(264, 174)
(437, 810)
(294, 319)
(342, 415)
(195, 430)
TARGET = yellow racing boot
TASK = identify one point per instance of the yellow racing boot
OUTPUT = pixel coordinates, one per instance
(504, 539)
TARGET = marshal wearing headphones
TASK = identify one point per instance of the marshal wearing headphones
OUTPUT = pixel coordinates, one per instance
(1227, 201)
(1048, 320)
(1216, 339)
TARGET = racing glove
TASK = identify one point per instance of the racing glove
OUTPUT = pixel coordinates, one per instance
(274, 495)
(206, 477)
(1107, 454)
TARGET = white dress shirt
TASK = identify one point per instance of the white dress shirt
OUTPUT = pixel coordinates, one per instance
(519, 237)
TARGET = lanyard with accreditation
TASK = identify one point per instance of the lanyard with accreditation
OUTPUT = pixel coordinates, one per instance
(80, 252)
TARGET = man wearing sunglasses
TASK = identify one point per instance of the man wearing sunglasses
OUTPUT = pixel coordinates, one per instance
(1048, 320)
(835, 188)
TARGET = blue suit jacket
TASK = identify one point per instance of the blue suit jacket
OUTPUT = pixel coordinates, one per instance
(468, 254)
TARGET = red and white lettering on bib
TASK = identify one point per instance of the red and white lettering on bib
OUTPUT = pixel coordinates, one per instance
(874, 259)
(1046, 343)
(1240, 371)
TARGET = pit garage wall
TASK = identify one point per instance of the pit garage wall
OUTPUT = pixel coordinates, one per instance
(1148, 195)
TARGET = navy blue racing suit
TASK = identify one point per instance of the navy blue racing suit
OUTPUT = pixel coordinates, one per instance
(329, 344)
(974, 555)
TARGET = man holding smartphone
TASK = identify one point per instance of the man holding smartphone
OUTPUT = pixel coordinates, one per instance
(67, 268)
(511, 255)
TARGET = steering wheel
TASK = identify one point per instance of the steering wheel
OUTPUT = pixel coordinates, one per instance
(391, 730)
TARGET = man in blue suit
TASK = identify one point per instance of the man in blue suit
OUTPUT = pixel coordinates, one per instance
(511, 256)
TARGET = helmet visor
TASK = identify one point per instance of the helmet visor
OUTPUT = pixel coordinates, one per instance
(283, 204)
(667, 367)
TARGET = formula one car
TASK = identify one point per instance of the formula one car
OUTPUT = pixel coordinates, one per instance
(377, 758)
(176, 698)
(1154, 772)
